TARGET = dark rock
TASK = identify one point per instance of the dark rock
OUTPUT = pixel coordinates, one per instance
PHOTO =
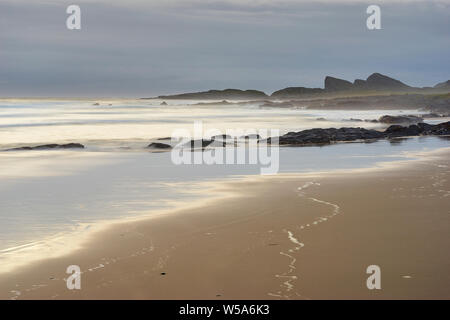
(157, 145)
(359, 84)
(198, 143)
(335, 84)
(355, 120)
(321, 119)
(424, 126)
(400, 131)
(219, 95)
(325, 136)
(378, 81)
(163, 103)
(295, 92)
(400, 119)
(50, 147)
(375, 81)
(331, 135)
(437, 130)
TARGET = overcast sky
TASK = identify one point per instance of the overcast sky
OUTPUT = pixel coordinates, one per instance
(145, 48)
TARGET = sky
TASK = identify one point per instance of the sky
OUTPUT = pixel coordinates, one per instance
(140, 48)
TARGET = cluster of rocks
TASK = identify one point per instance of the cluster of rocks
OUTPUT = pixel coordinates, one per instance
(423, 129)
(331, 135)
(300, 138)
(215, 141)
(326, 136)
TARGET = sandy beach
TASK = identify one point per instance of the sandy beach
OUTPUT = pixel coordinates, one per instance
(308, 236)
(222, 158)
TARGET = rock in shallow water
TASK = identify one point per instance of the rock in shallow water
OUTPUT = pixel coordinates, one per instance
(158, 145)
(50, 147)
(326, 136)
(203, 143)
(400, 119)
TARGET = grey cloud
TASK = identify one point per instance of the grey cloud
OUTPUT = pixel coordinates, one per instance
(157, 48)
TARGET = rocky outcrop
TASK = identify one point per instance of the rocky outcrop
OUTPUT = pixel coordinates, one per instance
(50, 147)
(441, 129)
(335, 84)
(400, 131)
(193, 144)
(378, 81)
(418, 129)
(400, 119)
(375, 81)
(359, 84)
(331, 135)
(158, 145)
(295, 92)
(326, 136)
(235, 94)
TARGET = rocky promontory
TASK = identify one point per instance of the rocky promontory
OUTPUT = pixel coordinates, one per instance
(233, 94)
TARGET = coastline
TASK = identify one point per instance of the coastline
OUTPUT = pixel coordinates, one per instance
(153, 241)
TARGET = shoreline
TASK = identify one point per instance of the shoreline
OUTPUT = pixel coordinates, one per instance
(223, 192)
(69, 241)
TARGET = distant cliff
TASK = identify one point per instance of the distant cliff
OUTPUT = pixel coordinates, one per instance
(233, 94)
(293, 92)
(376, 82)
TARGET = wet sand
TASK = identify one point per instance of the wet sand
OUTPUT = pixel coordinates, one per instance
(281, 237)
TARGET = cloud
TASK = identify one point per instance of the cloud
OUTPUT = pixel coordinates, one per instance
(138, 48)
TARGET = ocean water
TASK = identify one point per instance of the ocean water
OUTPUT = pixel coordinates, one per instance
(132, 123)
(47, 194)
